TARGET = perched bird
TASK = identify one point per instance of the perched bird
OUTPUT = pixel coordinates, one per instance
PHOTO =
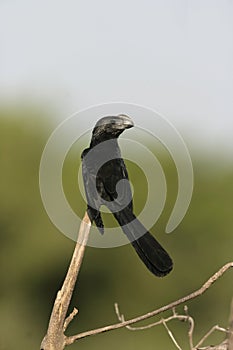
(106, 183)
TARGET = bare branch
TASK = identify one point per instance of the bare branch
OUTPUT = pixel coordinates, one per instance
(55, 338)
(171, 334)
(165, 321)
(221, 346)
(70, 319)
(198, 292)
(230, 337)
(186, 318)
(213, 329)
(175, 316)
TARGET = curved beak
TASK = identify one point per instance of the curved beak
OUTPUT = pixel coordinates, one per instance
(127, 121)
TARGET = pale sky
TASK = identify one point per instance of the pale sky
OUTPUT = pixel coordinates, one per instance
(173, 56)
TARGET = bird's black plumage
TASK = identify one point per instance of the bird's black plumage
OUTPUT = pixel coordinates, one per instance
(103, 172)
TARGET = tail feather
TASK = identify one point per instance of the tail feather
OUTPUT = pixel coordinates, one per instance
(146, 246)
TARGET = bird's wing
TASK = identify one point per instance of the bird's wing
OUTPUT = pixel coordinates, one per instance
(116, 189)
(89, 181)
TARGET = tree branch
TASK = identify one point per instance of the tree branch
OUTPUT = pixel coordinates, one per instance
(184, 318)
(55, 338)
(198, 292)
(230, 338)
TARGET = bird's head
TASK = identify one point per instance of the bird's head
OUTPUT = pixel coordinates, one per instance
(111, 127)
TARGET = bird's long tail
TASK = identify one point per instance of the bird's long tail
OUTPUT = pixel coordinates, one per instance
(146, 246)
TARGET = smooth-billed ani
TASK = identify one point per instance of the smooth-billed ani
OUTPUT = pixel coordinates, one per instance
(103, 171)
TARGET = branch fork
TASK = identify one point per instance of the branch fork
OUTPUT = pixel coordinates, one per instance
(55, 339)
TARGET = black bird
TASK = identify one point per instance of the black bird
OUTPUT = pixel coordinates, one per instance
(103, 171)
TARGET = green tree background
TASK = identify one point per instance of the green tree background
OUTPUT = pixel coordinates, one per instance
(35, 255)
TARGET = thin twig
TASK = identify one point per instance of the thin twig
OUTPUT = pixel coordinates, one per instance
(198, 292)
(164, 321)
(222, 346)
(170, 334)
(186, 318)
(213, 329)
(230, 337)
(70, 319)
(175, 316)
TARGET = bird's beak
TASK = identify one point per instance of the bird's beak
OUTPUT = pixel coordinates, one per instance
(127, 121)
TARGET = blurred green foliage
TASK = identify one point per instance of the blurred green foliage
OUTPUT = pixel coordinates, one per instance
(34, 255)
